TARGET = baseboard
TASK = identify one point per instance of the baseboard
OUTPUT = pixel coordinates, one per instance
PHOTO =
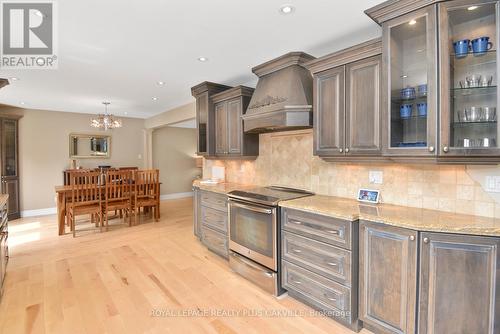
(39, 212)
(176, 195)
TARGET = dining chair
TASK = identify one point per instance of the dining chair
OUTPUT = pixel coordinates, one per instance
(119, 186)
(85, 198)
(147, 191)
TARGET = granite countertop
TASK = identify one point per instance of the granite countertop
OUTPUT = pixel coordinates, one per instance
(401, 216)
(221, 188)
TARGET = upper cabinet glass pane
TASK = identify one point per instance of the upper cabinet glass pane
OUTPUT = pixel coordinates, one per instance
(473, 76)
(408, 77)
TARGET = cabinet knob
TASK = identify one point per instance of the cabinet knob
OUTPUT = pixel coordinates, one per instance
(446, 149)
(341, 150)
(346, 150)
(431, 148)
(412, 237)
(426, 240)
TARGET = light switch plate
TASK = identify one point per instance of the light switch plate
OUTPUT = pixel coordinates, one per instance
(493, 184)
(376, 176)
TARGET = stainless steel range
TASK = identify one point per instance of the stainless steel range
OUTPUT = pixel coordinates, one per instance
(254, 234)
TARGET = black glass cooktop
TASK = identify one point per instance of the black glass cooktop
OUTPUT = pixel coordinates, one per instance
(269, 195)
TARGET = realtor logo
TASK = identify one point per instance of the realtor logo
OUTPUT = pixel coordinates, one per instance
(28, 35)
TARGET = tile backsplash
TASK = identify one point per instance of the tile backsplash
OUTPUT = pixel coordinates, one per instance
(287, 159)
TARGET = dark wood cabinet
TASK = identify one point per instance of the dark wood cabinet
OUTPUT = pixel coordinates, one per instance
(387, 278)
(9, 155)
(459, 284)
(319, 261)
(363, 107)
(230, 141)
(329, 116)
(439, 105)
(205, 116)
(4, 236)
(347, 103)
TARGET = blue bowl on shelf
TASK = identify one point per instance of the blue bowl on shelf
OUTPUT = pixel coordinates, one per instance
(422, 90)
(422, 109)
(481, 45)
(408, 93)
(405, 110)
(461, 48)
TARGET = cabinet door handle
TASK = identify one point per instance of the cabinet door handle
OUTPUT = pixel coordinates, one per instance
(341, 150)
(297, 282)
(296, 250)
(333, 264)
(296, 222)
(446, 149)
(426, 240)
(412, 237)
(431, 148)
(347, 150)
(336, 232)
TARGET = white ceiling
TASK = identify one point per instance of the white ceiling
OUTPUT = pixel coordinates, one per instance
(117, 50)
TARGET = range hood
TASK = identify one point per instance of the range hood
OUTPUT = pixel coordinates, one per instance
(283, 97)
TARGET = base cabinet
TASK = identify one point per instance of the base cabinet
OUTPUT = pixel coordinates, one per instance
(459, 287)
(319, 263)
(387, 278)
(210, 221)
(197, 212)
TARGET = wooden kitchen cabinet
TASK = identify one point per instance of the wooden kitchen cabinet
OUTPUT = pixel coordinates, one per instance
(387, 278)
(459, 287)
(197, 212)
(463, 135)
(319, 260)
(347, 107)
(230, 140)
(205, 116)
(211, 221)
(439, 104)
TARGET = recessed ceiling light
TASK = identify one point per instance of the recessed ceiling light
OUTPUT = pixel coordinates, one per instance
(14, 78)
(22, 103)
(154, 98)
(38, 13)
(160, 83)
(404, 76)
(126, 113)
(287, 9)
(412, 22)
(471, 7)
(202, 59)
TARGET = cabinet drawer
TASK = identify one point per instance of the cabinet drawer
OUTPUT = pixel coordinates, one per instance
(214, 219)
(215, 241)
(321, 258)
(318, 291)
(330, 230)
(214, 201)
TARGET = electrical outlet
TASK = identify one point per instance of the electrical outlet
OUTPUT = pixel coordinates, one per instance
(376, 176)
(493, 184)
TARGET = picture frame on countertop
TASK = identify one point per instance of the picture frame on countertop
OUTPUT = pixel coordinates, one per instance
(369, 196)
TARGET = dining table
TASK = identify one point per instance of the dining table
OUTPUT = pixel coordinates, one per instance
(64, 193)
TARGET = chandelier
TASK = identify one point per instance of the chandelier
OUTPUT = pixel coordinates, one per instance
(106, 121)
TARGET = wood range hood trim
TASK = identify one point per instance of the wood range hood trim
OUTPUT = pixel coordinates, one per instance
(283, 97)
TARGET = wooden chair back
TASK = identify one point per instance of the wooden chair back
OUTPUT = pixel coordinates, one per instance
(67, 174)
(119, 185)
(128, 168)
(85, 189)
(147, 184)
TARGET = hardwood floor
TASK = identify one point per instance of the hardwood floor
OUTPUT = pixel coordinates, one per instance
(133, 280)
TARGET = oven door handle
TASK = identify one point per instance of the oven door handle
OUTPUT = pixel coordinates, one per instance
(252, 208)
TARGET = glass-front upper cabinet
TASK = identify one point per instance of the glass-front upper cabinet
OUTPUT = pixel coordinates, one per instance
(410, 69)
(469, 69)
